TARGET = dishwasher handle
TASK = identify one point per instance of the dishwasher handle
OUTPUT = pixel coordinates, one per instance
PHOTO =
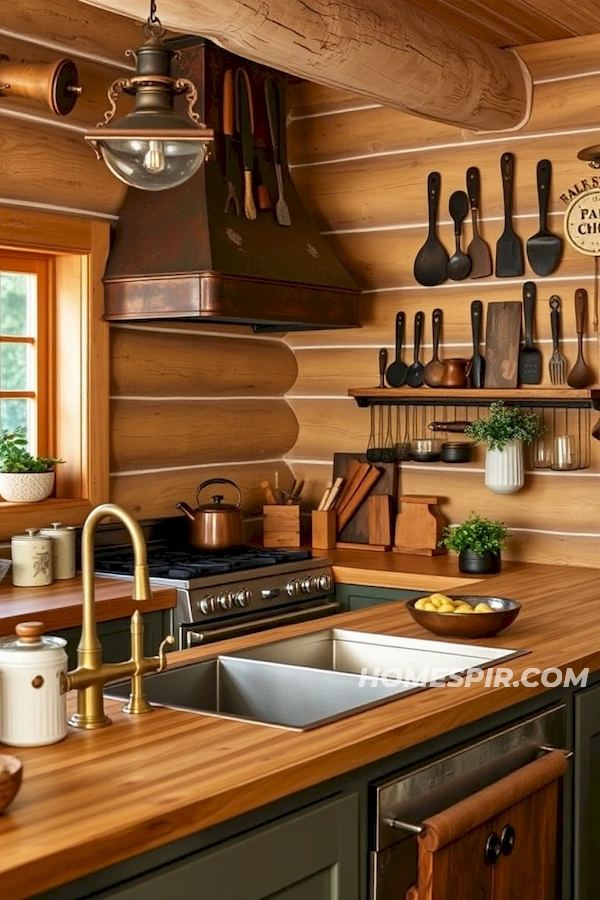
(499, 788)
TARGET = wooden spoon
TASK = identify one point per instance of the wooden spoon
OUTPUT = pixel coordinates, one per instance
(432, 258)
(580, 375)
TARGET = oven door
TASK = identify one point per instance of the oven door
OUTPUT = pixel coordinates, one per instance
(192, 634)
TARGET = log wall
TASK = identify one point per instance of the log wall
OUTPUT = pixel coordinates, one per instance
(187, 402)
(362, 170)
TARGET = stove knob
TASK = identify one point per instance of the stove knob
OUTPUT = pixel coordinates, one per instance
(306, 585)
(293, 588)
(315, 583)
(206, 605)
(225, 601)
(325, 583)
(242, 598)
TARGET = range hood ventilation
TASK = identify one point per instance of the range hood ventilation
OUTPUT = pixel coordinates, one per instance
(177, 254)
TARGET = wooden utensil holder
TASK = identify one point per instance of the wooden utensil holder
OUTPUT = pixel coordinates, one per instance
(324, 528)
(281, 525)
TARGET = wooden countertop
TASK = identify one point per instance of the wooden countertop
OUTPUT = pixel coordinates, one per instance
(59, 604)
(103, 796)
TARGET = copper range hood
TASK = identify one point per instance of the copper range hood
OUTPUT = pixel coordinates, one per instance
(176, 254)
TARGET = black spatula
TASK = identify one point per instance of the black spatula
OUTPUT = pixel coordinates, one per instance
(509, 249)
(432, 258)
(396, 372)
(544, 249)
(530, 358)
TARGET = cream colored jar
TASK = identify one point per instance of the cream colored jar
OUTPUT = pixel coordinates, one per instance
(63, 550)
(31, 559)
(33, 682)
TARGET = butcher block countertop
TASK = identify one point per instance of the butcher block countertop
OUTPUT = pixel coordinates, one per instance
(59, 605)
(103, 796)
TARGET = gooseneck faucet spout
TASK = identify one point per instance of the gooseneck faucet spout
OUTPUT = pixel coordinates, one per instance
(91, 673)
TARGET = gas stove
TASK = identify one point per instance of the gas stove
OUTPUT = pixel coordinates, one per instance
(226, 594)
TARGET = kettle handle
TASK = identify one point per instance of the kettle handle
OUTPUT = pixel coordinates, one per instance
(219, 481)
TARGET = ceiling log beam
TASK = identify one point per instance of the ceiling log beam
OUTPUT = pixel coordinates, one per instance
(387, 50)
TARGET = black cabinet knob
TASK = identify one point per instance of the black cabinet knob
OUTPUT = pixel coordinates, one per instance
(493, 848)
(507, 840)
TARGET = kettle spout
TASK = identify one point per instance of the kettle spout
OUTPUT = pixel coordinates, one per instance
(187, 510)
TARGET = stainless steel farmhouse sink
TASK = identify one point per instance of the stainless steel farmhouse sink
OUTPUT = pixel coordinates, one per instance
(306, 681)
(387, 656)
(264, 692)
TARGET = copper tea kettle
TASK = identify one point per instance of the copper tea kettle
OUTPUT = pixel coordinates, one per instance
(216, 525)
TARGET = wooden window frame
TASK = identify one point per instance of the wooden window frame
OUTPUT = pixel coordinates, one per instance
(79, 248)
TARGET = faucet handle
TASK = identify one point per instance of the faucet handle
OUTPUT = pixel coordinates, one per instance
(162, 655)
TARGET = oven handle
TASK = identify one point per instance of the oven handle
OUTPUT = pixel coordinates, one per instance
(199, 637)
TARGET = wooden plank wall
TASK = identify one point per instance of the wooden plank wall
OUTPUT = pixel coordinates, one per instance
(362, 171)
(188, 402)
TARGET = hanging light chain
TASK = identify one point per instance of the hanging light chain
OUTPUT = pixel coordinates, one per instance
(152, 27)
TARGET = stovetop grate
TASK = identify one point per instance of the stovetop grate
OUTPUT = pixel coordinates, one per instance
(189, 563)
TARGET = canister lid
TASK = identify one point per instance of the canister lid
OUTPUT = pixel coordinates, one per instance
(33, 534)
(30, 636)
(56, 526)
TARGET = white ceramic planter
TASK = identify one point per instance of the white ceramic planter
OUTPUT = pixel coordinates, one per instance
(26, 487)
(504, 471)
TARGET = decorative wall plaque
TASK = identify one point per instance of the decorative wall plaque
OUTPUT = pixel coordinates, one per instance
(582, 222)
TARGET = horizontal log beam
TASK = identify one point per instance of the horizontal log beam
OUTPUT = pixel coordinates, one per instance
(391, 52)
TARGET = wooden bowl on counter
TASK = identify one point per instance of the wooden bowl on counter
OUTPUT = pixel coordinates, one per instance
(467, 625)
(11, 773)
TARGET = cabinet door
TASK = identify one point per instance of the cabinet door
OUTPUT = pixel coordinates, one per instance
(530, 827)
(309, 855)
(354, 596)
(586, 826)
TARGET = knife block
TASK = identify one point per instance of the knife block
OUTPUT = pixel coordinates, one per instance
(419, 526)
(281, 525)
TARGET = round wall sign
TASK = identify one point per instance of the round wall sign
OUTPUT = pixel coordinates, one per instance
(582, 222)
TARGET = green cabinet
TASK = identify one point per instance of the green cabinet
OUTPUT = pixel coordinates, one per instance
(586, 805)
(306, 855)
(355, 596)
(115, 637)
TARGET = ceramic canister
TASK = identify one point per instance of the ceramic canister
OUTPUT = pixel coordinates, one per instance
(33, 670)
(63, 550)
(31, 555)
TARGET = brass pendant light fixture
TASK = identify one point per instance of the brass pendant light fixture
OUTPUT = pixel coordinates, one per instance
(153, 148)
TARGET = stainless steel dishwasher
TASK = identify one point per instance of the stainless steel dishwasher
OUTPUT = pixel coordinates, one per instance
(413, 795)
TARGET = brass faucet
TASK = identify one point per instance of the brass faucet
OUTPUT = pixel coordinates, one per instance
(91, 674)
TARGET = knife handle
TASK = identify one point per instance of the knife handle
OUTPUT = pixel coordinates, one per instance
(383, 358)
(228, 102)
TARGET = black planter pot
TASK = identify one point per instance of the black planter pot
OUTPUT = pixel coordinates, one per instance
(479, 563)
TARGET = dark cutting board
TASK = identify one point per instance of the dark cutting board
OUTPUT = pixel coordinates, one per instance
(357, 529)
(502, 341)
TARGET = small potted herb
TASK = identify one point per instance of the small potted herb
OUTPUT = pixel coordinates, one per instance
(478, 542)
(24, 477)
(503, 433)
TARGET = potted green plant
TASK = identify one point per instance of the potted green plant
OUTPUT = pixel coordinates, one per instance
(503, 432)
(478, 542)
(24, 477)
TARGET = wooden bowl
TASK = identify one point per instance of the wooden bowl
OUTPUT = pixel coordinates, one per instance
(11, 773)
(465, 625)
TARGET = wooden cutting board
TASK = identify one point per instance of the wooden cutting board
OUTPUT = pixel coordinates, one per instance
(502, 340)
(357, 529)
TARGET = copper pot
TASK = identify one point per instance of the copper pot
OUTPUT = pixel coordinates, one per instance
(216, 525)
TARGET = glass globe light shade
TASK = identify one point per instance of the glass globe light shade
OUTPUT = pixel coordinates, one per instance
(151, 164)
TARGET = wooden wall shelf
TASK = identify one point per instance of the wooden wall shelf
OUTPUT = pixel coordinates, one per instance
(551, 397)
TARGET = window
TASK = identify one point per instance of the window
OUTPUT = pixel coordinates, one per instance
(54, 357)
(26, 348)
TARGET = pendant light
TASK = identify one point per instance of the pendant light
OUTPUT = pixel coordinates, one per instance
(153, 148)
(591, 155)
